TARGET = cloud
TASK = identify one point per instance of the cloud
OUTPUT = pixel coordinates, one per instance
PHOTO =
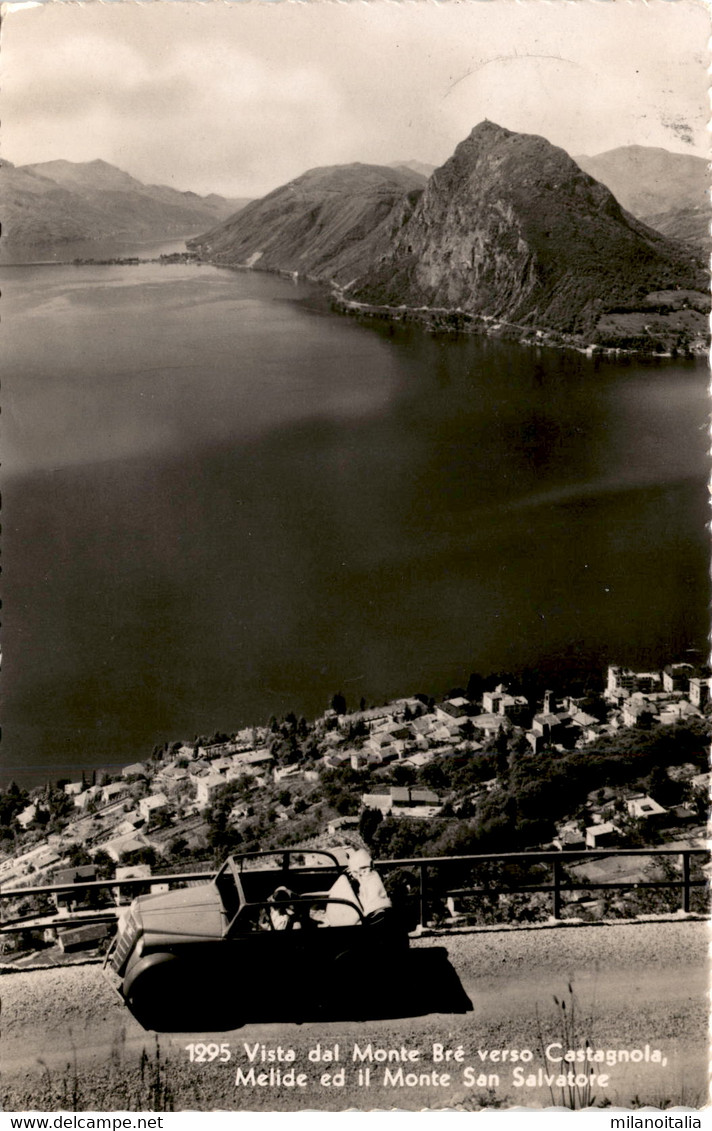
(238, 98)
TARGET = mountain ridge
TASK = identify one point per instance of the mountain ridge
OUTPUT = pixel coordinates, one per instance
(649, 179)
(509, 232)
(328, 224)
(61, 202)
(511, 228)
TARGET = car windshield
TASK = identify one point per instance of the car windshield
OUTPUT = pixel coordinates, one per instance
(228, 891)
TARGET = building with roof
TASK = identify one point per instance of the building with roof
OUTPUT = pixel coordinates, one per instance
(26, 816)
(252, 762)
(207, 789)
(83, 938)
(151, 806)
(134, 770)
(604, 835)
(676, 677)
(92, 793)
(699, 691)
(77, 874)
(490, 724)
(120, 845)
(569, 838)
(642, 808)
(675, 712)
(622, 682)
(130, 872)
(404, 801)
(638, 711)
(556, 729)
(114, 791)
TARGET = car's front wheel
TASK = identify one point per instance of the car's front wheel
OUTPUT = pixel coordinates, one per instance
(156, 996)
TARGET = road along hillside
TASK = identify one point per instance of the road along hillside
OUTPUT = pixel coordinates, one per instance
(491, 1014)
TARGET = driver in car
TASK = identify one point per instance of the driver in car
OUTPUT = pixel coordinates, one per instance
(368, 886)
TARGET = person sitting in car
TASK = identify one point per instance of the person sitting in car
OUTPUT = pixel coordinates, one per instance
(368, 885)
(280, 915)
(358, 896)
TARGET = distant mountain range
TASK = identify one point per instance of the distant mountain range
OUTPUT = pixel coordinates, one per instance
(60, 202)
(414, 167)
(668, 191)
(510, 228)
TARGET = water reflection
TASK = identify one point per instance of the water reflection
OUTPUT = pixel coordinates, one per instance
(225, 502)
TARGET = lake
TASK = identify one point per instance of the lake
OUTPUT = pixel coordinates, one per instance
(223, 501)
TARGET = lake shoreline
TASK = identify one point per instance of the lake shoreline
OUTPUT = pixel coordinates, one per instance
(435, 320)
(451, 320)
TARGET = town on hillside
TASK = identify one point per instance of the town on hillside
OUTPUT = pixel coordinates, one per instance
(489, 768)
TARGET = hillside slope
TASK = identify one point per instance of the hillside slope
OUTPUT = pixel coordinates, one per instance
(57, 202)
(689, 225)
(330, 224)
(667, 191)
(647, 180)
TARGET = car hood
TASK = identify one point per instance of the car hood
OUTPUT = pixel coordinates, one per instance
(195, 913)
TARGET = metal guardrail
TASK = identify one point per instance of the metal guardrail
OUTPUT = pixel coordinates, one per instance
(431, 888)
(560, 883)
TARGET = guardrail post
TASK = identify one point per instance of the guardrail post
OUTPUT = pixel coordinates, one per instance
(557, 889)
(686, 882)
(421, 894)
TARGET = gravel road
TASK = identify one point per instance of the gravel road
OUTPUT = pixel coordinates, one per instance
(68, 1042)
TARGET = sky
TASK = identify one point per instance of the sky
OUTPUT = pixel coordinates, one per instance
(238, 98)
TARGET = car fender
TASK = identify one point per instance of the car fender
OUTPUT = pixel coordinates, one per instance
(148, 963)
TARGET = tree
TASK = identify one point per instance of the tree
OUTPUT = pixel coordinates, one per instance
(179, 846)
(434, 776)
(661, 787)
(474, 686)
(502, 764)
(501, 742)
(144, 855)
(42, 816)
(368, 823)
(77, 855)
(104, 865)
(338, 703)
(403, 775)
(346, 805)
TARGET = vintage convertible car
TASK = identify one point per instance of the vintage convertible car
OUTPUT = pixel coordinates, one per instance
(211, 954)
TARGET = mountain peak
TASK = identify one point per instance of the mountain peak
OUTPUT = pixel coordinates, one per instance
(512, 227)
(487, 129)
